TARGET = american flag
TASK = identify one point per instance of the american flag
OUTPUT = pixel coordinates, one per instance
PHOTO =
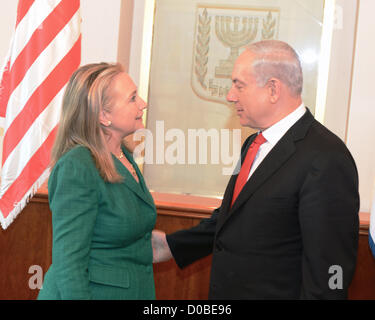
(45, 51)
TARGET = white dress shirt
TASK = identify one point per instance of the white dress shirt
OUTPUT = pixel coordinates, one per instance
(274, 134)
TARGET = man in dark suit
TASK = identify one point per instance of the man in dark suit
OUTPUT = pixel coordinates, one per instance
(288, 224)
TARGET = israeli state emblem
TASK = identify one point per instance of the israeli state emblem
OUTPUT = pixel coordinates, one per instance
(220, 36)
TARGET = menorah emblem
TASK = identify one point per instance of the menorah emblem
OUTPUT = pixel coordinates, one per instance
(234, 29)
(234, 38)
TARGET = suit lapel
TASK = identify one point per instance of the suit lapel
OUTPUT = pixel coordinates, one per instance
(279, 154)
(140, 189)
(227, 199)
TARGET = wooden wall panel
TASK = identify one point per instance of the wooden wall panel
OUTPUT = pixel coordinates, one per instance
(173, 283)
(363, 284)
(26, 242)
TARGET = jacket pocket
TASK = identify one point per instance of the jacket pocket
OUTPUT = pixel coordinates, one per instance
(109, 276)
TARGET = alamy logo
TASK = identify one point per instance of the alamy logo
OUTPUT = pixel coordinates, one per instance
(335, 281)
(36, 280)
(174, 146)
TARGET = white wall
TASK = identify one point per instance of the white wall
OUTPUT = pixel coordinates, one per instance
(8, 10)
(361, 129)
(340, 70)
(100, 30)
(136, 43)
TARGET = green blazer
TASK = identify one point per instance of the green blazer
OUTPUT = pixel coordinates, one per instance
(101, 232)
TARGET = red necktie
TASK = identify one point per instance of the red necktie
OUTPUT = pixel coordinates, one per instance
(246, 165)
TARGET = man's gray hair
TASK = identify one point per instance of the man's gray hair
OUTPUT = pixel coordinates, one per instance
(277, 59)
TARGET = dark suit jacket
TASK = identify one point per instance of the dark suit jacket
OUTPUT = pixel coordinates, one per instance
(101, 232)
(295, 218)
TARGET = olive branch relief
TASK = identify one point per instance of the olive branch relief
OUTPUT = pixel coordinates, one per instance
(269, 24)
(202, 47)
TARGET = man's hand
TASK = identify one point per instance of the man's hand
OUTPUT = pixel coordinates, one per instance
(160, 247)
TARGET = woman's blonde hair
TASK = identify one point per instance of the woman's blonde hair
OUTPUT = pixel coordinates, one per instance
(86, 95)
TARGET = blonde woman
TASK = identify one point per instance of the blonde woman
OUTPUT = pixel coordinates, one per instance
(102, 211)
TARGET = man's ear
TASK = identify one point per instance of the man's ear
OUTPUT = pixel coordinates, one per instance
(274, 89)
(104, 118)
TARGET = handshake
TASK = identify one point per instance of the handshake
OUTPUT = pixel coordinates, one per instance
(160, 247)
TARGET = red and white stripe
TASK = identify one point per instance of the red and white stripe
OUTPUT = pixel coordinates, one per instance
(45, 51)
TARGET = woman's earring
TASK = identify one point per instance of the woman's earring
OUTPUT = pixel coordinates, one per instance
(109, 123)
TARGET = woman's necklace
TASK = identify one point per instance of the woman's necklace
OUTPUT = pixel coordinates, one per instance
(121, 155)
(129, 167)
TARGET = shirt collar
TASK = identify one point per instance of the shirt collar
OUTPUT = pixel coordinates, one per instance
(274, 133)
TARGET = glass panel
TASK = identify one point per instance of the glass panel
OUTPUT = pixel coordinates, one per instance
(194, 47)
